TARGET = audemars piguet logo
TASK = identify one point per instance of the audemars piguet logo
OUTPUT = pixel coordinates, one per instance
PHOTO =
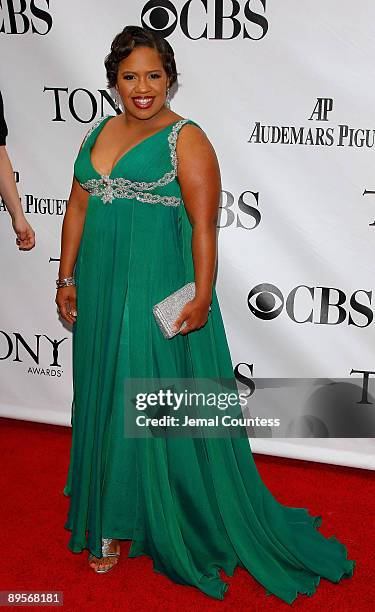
(33, 204)
(319, 135)
(44, 206)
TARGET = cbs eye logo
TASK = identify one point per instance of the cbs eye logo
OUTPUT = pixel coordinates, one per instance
(265, 301)
(162, 16)
(159, 15)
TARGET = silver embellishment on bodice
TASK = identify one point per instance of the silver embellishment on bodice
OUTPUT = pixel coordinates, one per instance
(108, 188)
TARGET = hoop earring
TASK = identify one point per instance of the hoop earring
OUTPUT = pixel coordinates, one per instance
(168, 99)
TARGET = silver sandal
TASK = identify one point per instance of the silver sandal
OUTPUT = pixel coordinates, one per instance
(106, 552)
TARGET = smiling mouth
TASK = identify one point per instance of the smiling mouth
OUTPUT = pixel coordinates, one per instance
(143, 101)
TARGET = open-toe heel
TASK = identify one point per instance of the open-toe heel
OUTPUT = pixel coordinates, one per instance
(106, 552)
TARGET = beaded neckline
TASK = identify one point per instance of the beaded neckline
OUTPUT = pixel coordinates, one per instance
(108, 188)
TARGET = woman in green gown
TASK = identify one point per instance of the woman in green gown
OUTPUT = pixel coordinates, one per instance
(138, 227)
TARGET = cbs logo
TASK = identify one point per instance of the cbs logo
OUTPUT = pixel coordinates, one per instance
(224, 21)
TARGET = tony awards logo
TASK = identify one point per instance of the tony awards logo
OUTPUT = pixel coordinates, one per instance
(42, 354)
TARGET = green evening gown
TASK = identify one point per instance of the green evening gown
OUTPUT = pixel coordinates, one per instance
(194, 505)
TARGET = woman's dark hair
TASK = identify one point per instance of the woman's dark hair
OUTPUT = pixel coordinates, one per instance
(135, 36)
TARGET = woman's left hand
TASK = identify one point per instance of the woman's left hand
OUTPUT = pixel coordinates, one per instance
(195, 313)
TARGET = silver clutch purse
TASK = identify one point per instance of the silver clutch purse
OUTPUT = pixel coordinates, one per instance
(168, 310)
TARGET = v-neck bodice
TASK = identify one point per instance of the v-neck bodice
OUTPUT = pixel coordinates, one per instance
(146, 172)
(129, 151)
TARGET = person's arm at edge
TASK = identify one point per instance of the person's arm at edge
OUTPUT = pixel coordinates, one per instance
(9, 193)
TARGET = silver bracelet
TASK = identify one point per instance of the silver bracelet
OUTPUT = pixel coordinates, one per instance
(65, 282)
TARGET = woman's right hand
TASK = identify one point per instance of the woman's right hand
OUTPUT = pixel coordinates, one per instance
(66, 302)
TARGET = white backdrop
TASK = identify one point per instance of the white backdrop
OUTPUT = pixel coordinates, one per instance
(293, 214)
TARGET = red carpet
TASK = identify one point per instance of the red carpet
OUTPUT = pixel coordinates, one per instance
(34, 542)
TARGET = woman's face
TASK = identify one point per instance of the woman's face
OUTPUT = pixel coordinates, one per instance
(142, 82)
